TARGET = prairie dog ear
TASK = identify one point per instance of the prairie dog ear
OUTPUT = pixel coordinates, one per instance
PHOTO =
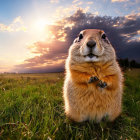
(101, 32)
(75, 40)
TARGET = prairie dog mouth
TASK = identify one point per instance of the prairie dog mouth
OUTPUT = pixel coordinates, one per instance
(90, 55)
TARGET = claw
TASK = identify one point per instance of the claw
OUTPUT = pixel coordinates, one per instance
(93, 79)
(102, 84)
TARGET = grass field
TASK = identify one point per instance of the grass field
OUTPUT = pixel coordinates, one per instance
(31, 107)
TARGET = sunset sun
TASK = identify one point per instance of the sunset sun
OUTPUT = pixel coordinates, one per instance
(40, 24)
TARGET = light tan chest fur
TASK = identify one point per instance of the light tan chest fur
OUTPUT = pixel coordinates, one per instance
(89, 99)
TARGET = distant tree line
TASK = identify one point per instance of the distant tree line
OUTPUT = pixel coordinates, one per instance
(126, 63)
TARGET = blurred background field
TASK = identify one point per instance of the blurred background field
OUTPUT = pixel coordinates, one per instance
(31, 107)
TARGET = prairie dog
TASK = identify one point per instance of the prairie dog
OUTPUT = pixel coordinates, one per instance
(93, 83)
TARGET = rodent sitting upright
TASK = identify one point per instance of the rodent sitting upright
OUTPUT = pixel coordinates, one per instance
(94, 82)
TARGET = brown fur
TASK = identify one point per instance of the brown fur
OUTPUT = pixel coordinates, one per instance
(84, 101)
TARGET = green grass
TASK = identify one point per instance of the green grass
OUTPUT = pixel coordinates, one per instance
(31, 107)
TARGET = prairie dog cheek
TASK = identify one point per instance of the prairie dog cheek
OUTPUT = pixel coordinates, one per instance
(84, 50)
(98, 50)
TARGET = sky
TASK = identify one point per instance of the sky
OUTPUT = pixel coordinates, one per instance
(35, 35)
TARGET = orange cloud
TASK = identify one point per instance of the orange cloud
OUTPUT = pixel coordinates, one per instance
(132, 16)
(119, 0)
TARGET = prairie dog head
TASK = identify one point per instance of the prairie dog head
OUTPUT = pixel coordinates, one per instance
(91, 45)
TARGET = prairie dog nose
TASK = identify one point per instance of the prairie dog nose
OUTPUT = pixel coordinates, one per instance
(91, 43)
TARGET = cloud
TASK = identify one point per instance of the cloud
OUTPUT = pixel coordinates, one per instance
(119, 0)
(75, 1)
(68, 11)
(15, 26)
(54, 1)
(57, 67)
(79, 3)
(123, 33)
(90, 2)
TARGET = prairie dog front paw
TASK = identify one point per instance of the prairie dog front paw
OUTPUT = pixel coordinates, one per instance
(93, 79)
(102, 84)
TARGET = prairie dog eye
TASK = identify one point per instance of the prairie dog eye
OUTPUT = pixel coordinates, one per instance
(103, 36)
(80, 36)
